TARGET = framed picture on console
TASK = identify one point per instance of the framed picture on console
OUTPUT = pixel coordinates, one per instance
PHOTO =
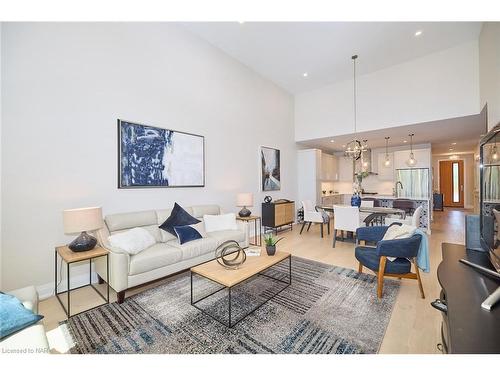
(151, 157)
(270, 169)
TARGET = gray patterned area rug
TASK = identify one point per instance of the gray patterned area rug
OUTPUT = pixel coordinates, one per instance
(327, 309)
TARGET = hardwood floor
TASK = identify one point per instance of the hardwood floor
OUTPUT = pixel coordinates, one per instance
(414, 324)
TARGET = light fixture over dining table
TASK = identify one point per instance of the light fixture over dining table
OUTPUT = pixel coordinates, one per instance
(354, 149)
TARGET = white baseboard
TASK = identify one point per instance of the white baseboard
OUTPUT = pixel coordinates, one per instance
(47, 290)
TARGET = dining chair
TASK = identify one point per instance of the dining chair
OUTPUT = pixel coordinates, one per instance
(404, 204)
(312, 215)
(405, 251)
(367, 203)
(413, 220)
(376, 202)
(346, 218)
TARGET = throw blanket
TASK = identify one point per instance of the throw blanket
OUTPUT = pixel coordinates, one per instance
(406, 231)
(423, 261)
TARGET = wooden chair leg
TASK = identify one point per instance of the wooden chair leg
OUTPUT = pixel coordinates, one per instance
(334, 237)
(418, 279)
(360, 268)
(309, 226)
(328, 226)
(380, 280)
(303, 225)
(321, 230)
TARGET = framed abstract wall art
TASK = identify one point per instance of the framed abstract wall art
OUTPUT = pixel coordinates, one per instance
(270, 166)
(155, 157)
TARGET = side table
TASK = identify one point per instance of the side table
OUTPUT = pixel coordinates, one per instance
(70, 257)
(258, 239)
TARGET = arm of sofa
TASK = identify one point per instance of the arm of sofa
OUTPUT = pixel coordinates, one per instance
(31, 339)
(119, 262)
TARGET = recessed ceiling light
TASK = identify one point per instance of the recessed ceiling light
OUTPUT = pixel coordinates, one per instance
(454, 143)
(305, 74)
(451, 149)
(405, 141)
(331, 140)
(418, 33)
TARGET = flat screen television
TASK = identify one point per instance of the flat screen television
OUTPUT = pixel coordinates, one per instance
(490, 195)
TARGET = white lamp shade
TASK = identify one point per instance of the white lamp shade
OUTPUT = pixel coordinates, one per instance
(82, 219)
(244, 200)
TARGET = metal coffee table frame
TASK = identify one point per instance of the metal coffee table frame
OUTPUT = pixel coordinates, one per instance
(230, 323)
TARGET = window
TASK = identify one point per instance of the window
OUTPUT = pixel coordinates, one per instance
(456, 183)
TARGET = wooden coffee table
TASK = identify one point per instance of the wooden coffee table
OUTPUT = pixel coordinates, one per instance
(255, 266)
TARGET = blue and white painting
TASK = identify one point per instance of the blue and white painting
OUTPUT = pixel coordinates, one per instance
(156, 157)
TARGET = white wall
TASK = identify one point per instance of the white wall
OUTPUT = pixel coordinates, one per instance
(489, 70)
(64, 87)
(438, 86)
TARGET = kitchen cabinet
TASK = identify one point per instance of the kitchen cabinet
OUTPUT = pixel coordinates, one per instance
(345, 171)
(328, 167)
(423, 157)
(385, 173)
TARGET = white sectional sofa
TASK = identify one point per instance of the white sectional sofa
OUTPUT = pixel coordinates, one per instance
(30, 340)
(166, 256)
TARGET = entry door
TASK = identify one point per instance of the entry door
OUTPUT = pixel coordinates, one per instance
(451, 182)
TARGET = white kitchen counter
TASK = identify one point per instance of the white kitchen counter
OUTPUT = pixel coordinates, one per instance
(391, 197)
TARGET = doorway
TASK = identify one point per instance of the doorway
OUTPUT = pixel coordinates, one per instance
(451, 182)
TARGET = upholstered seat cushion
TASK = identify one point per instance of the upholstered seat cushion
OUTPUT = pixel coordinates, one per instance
(225, 235)
(194, 248)
(156, 256)
(369, 258)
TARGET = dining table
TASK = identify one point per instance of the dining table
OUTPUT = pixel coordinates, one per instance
(381, 211)
(372, 210)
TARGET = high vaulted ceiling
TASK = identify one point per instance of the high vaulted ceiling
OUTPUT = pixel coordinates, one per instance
(284, 51)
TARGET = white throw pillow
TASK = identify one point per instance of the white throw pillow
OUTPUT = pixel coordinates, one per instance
(215, 223)
(132, 241)
(399, 231)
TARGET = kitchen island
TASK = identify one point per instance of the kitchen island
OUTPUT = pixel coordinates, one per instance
(386, 201)
(425, 217)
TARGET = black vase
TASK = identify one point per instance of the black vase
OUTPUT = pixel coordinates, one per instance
(84, 242)
(271, 250)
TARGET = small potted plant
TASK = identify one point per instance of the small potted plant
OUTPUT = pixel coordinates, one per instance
(271, 242)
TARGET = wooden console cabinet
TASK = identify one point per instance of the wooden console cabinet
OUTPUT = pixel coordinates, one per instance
(278, 214)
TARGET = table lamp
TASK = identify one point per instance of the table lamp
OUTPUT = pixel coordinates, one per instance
(81, 220)
(244, 200)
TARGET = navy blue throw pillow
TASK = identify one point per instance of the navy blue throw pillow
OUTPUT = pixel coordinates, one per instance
(14, 316)
(178, 217)
(187, 233)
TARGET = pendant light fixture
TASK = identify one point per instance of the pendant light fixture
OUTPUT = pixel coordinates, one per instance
(494, 154)
(387, 161)
(411, 162)
(354, 149)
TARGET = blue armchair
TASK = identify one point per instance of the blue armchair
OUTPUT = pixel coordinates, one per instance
(375, 258)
